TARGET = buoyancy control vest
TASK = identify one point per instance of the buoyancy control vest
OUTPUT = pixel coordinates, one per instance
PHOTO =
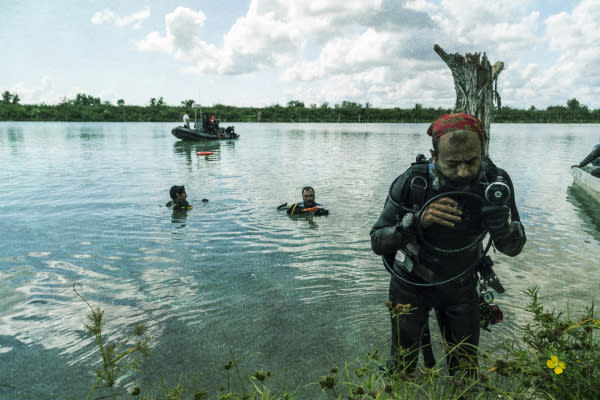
(418, 188)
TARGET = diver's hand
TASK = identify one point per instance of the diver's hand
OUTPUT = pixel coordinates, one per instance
(495, 219)
(321, 211)
(575, 166)
(442, 212)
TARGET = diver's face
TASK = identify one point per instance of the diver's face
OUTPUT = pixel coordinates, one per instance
(458, 161)
(308, 196)
(181, 195)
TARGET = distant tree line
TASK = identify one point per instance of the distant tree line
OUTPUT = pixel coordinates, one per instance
(85, 107)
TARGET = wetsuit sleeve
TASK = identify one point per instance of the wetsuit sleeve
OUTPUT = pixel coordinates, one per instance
(295, 209)
(591, 157)
(385, 238)
(322, 211)
(513, 241)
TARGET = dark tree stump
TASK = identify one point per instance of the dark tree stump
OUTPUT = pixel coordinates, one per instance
(475, 82)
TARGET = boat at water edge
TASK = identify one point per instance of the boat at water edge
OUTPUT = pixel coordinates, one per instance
(586, 182)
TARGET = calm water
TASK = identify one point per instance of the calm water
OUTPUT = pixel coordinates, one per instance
(84, 202)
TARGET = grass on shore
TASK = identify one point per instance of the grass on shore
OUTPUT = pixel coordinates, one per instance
(556, 358)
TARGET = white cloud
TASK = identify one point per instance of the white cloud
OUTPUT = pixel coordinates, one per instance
(108, 16)
(275, 33)
(257, 41)
(579, 29)
(182, 39)
(482, 26)
(155, 42)
(254, 42)
(44, 93)
(365, 52)
(575, 39)
(381, 51)
(381, 87)
(327, 20)
(400, 37)
(182, 34)
(183, 26)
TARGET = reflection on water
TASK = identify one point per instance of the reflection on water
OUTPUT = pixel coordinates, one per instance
(234, 277)
(587, 210)
(178, 217)
(14, 134)
(85, 132)
(189, 150)
(311, 220)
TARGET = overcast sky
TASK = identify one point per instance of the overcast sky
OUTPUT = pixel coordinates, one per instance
(265, 52)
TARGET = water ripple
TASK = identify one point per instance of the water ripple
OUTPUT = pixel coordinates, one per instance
(234, 273)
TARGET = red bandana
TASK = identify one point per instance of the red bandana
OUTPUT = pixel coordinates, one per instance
(455, 122)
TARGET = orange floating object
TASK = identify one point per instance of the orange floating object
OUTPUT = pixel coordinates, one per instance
(204, 153)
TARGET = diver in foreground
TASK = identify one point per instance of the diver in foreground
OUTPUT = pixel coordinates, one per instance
(431, 233)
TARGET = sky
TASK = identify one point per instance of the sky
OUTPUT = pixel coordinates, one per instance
(265, 52)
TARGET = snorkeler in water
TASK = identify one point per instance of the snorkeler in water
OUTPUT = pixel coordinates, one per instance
(178, 198)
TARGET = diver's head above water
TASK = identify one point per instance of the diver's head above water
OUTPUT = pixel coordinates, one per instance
(458, 142)
(178, 193)
(308, 196)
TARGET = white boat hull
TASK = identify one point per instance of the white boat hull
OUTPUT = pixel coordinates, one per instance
(586, 182)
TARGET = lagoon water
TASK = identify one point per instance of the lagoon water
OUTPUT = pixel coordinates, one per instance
(234, 279)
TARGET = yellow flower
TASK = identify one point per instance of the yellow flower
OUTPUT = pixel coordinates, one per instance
(554, 363)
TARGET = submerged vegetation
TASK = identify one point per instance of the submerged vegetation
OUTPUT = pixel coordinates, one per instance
(556, 358)
(116, 361)
(85, 107)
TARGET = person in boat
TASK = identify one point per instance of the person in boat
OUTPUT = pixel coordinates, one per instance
(212, 124)
(178, 199)
(186, 120)
(308, 205)
(205, 122)
(594, 158)
(442, 275)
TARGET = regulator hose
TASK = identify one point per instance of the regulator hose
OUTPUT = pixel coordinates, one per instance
(475, 242)
(390, 269)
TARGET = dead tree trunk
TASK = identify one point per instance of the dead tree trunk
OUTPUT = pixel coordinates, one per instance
(476, 83)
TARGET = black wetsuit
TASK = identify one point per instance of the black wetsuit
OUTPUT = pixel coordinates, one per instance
(594, 158)
(456, 303)
(298, 209)
(179, 205)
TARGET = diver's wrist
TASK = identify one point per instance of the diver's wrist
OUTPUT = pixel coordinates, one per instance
(504, 233)
(407, 223)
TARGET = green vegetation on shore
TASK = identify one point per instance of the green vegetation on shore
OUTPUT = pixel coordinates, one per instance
(89, 108)
(556, 357)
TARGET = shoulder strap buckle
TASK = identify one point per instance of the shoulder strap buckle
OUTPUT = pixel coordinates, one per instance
(418, 183)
